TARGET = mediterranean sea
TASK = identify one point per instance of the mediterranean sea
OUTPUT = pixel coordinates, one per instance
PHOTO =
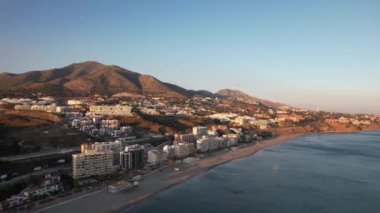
(313, 173)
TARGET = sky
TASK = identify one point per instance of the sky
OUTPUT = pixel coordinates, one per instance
(321, 54)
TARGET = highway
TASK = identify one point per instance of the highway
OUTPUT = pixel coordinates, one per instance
(40, 154)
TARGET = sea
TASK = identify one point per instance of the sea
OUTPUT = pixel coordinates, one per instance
(314, 173)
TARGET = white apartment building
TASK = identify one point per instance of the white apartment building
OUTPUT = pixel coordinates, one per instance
(50, 185)
(241, 120)
(149, 111)
(156, 156)
(111, 110)
(109, 124)
(182, 150)
(92, 163)
(22, 107)
(231, 139)
(115, 147)
(210, 143)
(74, 102)
(46, 108)
(169, 151)
(226, 117)
(200, 131)
(63, 109)
(17, 100)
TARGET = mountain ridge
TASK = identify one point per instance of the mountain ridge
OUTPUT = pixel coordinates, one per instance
(86, 78)
(237, 94)
(91, 77)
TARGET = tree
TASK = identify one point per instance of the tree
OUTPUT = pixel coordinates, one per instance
(162, 130)
(36, 180)
(15, 148)
(67, 181)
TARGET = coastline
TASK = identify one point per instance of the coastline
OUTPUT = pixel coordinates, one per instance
(156, 182)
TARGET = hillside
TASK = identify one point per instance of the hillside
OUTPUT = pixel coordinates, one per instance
(88, 78)
(237, 94)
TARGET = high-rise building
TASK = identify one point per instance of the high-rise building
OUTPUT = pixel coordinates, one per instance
(115, 147)
(183, 150)
(132, 157)
(92, 163)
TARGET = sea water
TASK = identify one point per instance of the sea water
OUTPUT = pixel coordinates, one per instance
(313, 173)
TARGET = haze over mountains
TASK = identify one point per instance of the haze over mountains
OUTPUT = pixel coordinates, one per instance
(89, 78)
(244, 96)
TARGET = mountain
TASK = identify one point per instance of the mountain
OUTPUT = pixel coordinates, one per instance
(237, 94)
(88, 78)
(91, 77)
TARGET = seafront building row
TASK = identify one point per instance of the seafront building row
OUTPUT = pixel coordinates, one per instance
(107, 157)
(119, 110)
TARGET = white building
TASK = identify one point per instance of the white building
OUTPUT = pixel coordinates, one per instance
(223, 116)
(109, 124)
(210, 143)
(111, 110)
(50, 185)
(63, 109)
(92, 163)
(22, 107)
(74, 102)
(169, 150)
(232, 139)
(115, 147)
(182, 150)
(149, 111)
(46, 108)
(241, 120)
(17, 100)
(262, 124)
(200, 131)
(156, 156)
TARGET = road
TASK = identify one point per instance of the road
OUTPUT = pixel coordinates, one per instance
(27, 176)
(40, 154)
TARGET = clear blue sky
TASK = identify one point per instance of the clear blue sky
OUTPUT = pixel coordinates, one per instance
(318, 54)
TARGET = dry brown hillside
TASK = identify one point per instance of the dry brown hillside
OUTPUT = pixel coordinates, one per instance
(20, 118)
(88, 78)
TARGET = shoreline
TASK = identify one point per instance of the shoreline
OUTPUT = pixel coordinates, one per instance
(159, 181)
(276, 141)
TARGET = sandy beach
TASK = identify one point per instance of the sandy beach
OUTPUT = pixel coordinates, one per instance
(156, 182)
